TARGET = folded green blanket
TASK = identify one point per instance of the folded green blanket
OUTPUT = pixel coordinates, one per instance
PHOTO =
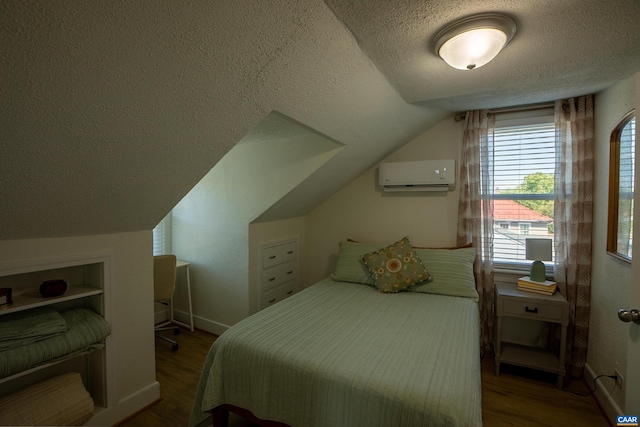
(29, 326)
(87, 331)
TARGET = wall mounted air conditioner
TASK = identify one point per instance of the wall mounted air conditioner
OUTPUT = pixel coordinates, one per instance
(424, 175)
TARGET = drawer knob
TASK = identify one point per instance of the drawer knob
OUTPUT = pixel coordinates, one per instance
(272, 257)
(289, 253)
(289, 293)
(289, 272)
(531, 310)
(272, 300)
(272, 279)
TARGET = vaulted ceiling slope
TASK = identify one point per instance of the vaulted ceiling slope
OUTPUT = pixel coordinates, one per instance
(110, 112)
(561, 49)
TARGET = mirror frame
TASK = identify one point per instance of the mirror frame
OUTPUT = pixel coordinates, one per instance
(614, 187)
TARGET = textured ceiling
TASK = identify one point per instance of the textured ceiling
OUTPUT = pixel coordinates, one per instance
(111, 111)
(561, 48)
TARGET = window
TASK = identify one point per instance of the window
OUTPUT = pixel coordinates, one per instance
(162, 236)
(621, 188)
(523, 186)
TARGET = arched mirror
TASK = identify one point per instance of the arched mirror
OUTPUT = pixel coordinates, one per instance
(621, 188)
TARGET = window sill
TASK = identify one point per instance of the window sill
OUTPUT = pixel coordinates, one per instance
(511, 273)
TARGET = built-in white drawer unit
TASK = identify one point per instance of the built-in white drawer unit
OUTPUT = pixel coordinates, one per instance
(278, 293)
(278, 253)
(279, 273)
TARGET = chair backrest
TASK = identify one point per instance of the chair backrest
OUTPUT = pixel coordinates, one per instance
(164, 277)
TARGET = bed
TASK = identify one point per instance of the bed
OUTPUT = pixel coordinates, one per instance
(342, 353)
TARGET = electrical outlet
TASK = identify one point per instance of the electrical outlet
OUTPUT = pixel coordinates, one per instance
(619, 379)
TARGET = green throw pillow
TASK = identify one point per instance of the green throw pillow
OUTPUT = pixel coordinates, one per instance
(451, 270)
(350, 267)
(396, 267)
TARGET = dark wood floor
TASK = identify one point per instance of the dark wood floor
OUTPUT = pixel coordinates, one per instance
(517, 397)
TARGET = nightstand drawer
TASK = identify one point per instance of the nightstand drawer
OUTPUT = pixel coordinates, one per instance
(534, 309)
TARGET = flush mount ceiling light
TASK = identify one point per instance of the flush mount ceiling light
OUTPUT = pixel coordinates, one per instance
(472, 42)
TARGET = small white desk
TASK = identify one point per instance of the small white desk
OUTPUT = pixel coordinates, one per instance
(184, 265)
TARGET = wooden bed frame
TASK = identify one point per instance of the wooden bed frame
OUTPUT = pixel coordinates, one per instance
(220, 416)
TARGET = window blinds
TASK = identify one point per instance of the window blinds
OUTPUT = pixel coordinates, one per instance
(520, 151)
(626, 188)
(522, 195)
(162, 237)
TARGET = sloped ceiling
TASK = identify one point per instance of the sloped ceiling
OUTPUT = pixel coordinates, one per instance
(110, 112)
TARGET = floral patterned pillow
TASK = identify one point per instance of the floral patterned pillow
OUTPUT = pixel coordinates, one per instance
(396, 267)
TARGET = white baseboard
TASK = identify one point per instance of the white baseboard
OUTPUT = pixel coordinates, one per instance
(603, 396)
(127, 407)
(199, 322)
(209, 325)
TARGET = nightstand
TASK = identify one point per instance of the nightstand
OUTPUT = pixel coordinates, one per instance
(510, 302)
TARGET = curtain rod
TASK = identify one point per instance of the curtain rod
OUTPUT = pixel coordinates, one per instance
(460, 116)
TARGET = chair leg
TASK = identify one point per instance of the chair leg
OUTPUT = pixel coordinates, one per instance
(174, 345)
(168, 325)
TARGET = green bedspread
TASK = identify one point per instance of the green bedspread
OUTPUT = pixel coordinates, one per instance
(343, 354)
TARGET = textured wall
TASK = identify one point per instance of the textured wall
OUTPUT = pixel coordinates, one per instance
(611, 277)
(361, 211)
(211, 224)
(632, 388)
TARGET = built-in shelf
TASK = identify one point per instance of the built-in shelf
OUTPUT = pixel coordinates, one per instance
(529, 357)
(29, 299)
(88, 278)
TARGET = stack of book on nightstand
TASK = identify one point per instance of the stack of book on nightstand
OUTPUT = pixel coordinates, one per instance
(545, 288)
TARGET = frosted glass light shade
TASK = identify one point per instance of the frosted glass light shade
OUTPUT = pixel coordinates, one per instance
(473, 49)
(474, 41)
